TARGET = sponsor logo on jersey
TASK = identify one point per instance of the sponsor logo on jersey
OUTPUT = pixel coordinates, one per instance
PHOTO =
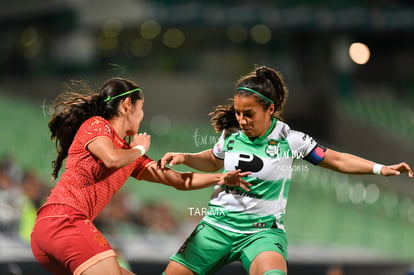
(249, 162)
(280, 247)
(229, 147)
(234, 191)
(259, 224)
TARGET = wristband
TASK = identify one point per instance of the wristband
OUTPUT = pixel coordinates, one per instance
(376, 170)
(140, 148)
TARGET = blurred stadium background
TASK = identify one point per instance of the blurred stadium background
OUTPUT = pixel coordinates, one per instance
(349, 68)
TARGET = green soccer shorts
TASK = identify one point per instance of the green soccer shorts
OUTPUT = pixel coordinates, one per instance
(209, 248)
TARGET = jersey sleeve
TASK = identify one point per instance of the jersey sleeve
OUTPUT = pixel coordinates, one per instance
(93, 128)
(218, 149)
(301, 144)
(140, 165)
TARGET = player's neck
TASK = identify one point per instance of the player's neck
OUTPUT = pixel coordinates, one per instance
(119, 126)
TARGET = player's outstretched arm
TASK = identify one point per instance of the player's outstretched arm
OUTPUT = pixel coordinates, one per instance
(192, 181)
(203, 161)
(351, 164)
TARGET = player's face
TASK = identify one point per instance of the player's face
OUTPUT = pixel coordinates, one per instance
(135, 116)
(253, 119)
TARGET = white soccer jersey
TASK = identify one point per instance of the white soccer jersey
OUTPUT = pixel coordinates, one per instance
(270, 160)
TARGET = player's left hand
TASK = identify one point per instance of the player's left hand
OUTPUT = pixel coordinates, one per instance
(234, 178)
(397, 169)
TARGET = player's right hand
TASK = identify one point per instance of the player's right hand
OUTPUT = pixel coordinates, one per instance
(171, 159)
(397, 169)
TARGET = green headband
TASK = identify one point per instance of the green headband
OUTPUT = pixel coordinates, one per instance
(127, 92)
(256, 92)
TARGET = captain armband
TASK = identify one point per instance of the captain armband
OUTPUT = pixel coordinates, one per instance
(316, 155)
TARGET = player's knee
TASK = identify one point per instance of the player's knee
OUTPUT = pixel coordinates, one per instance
(274, 272)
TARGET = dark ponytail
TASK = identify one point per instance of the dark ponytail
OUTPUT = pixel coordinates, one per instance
(71, 109)
(268, 87)
(268, 83)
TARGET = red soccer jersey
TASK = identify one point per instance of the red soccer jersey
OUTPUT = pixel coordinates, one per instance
(87, 185)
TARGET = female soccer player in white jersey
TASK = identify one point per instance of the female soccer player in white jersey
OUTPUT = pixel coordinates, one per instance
(247, 226)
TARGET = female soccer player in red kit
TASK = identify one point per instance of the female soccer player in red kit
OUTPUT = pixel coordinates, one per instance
(90, 132)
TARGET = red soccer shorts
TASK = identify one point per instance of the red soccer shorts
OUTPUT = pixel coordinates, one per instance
(64, 241)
